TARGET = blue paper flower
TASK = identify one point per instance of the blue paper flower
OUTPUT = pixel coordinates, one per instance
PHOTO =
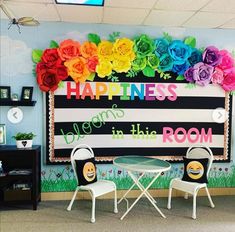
(181, 68)
(179, 52)
(166, 63)
(161, 47)
(196, 57)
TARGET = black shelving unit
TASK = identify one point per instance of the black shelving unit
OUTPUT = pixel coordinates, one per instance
(20, 159)
(17, 103)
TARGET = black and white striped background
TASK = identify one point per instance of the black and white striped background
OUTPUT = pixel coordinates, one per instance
(193, 108)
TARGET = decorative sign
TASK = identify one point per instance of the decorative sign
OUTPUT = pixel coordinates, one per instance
(137, 116)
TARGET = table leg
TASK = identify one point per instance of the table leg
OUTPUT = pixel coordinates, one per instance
(144, 192)
(123, 197)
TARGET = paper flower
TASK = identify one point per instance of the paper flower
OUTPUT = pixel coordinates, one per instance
(123, 49)
(88, 50)
(105, 50)
(195, 57)
(179, 52)
(51, 57)
(104, 68)
(69, 49)
(211, 56)
(144, 46)
(47, 80)
(77, 69)
(227, 60)
(181, 68)
(229, 80)
(92, 63)
(153, 61)
(139, 63)
(122, 65)
(161, 47)
(217, 76)
(188, 75)
(166, 63)
(202, 73)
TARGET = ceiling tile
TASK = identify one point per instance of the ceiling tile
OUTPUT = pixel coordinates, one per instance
(167, 18)
(124, 16)
(181, 5)
(44, 12)
(225, 6)
(130, 3)
(80, 14)
(229, 25)
(208, 20)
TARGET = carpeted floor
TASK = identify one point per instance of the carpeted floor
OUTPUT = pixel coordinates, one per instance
(52, 216)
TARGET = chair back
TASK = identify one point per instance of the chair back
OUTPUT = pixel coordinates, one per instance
(200, 152)
(80, 152)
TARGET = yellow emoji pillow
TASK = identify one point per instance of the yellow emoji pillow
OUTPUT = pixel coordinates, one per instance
(86, 171)
(195, 170)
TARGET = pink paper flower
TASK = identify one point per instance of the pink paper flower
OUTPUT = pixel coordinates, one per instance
(227, 60)
(217, 76)
(229, 79)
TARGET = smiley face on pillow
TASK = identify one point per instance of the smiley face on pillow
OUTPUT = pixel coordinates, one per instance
(89, 171)
(195, 170)
(86, 171)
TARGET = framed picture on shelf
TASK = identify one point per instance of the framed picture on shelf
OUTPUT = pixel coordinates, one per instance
(27, 93)
(5, 93)
(2, 134)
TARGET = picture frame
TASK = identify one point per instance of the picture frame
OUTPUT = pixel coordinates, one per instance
(2, 134)
(5, 93)
(27, 93)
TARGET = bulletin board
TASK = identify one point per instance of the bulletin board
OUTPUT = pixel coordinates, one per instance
(137, 116)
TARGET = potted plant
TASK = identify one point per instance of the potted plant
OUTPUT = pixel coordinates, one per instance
(24, 140)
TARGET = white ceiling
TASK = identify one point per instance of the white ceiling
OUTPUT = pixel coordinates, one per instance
(163, 13)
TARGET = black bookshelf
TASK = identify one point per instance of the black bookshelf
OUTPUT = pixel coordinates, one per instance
(17, 103)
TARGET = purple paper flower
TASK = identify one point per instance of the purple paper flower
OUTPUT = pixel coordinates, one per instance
(212, 56)
(202, 73)
(188, 75)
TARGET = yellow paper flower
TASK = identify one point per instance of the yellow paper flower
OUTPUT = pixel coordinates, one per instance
(104, 68)
(88, 49)
(123, 48)
(122, 65)
(77, 69)
(105, 50)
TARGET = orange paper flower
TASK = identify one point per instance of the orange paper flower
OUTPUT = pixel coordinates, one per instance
(88, 49)
(77, 69)
(69, 49)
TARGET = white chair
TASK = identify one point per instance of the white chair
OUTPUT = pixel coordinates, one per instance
(192, 188)
(101, 187)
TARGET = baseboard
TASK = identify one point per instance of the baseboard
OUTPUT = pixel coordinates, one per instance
(50, 196)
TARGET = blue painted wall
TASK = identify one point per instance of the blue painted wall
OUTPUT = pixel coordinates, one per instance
(14, 72)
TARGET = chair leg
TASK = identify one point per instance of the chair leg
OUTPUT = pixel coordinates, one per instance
(73, 198)
(169, 198)
(115, 201)
(186, 196)
(93, 210)
(194, 205)
(209, 197)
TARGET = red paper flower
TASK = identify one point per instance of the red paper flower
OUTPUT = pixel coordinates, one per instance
(92, 63)
(51, 57)
(47, 79)
(61, 72)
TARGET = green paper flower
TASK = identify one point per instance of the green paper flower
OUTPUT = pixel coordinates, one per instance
(139, 64)
(153, 61)
(144, 46)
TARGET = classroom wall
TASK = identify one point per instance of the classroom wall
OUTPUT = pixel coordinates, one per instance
(16, 66)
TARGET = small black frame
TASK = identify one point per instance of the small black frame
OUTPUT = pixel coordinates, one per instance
(27, 93)
(5, 93)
